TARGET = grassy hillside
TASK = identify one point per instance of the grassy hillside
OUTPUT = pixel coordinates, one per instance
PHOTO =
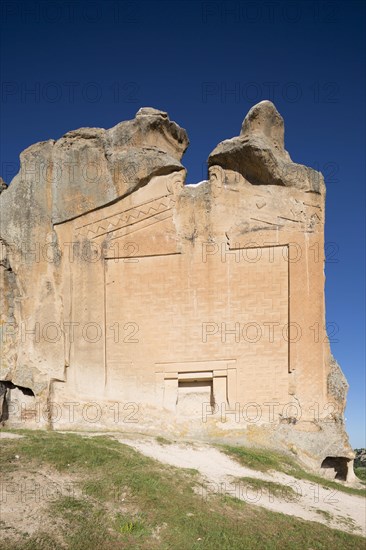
(360, 464)
(123, 500)
(264, 460)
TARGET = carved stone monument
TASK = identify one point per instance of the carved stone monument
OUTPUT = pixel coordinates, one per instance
(131, 301)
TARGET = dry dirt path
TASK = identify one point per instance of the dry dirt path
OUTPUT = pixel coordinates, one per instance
(220, 473)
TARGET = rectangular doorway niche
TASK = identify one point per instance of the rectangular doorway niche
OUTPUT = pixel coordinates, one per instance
(186, 388)
(193, 395)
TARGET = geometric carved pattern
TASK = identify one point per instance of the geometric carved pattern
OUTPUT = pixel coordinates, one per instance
(301, 217)
(126, 218)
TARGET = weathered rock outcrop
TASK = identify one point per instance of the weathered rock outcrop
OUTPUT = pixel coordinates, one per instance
(259, 154)
(3, 185)
(58, 181)
(129, 297)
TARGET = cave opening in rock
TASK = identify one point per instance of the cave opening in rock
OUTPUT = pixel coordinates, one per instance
(335, 467)
(9, 385)
(5, 389)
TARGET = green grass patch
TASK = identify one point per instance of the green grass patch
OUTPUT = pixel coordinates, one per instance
(361, 473)
(271, 488)
(136, 525)
(265, 460)
(41, 541)
(327, 515)
(129, 501)
(260, 459)
(66, 505)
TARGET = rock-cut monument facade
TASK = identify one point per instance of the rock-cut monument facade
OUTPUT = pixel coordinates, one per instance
(133, 301)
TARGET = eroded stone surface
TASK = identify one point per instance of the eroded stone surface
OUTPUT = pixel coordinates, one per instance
(132, 301)
(258, 154)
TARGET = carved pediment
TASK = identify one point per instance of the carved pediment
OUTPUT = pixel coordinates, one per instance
(129, 220)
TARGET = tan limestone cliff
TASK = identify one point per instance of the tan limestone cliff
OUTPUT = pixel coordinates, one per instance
(133, 301)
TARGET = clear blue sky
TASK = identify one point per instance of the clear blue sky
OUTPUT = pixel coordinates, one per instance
(207, 63)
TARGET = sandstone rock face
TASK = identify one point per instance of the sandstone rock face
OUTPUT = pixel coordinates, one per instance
(258, 154)
(133, 301)
(3, 185)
